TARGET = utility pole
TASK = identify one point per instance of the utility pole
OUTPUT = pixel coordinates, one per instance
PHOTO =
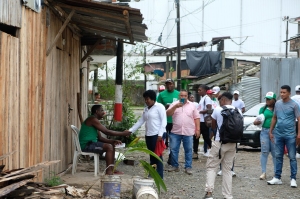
(145, 76)
(286, 18)
(178, 47)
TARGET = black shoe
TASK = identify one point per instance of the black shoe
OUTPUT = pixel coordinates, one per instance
(195, 156)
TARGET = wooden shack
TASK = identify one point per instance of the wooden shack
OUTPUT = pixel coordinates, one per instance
(43, 68)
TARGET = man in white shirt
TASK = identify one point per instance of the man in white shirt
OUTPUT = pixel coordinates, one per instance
(216, 94)
(296, 98)
(227, 152)
(203, 108)
(238, 103)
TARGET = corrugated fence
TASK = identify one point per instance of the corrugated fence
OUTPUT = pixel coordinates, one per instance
(249, 89)
(276, 72)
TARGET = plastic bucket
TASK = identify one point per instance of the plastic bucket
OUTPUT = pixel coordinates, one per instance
(111, 187)
(146, 193)
(140, 182)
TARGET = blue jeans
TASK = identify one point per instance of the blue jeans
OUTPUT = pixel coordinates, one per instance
(267, 146)
(151, 144)
(187, 142)
(290, 142)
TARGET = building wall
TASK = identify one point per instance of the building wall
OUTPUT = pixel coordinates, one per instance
(37, 91)
(10, 12)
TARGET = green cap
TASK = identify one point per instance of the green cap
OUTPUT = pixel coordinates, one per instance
(270, 95)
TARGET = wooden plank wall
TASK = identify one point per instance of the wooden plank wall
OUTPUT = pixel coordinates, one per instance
(10, 12)
(35, 93)
(10, 99)
(62, 86)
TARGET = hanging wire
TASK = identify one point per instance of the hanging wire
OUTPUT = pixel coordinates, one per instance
(239, 43)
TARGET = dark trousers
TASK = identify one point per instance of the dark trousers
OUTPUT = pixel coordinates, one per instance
(205, 133)
(151, 144)
(168, 129)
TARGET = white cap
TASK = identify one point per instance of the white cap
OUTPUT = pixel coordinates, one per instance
(297, 88)
(236, 92)
(216, 89)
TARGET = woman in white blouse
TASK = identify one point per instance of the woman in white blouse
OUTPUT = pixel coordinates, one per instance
(156, 120)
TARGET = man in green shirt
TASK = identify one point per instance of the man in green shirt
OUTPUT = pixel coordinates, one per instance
(166, 98)
(91, 141)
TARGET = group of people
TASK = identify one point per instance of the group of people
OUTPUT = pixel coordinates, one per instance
(280, 129)
(174, 117)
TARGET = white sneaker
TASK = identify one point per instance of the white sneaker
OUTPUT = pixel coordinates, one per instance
(293, 183)
(233, 174)
(297, 155)
(275, 181)
(219, 173)
(207, 153)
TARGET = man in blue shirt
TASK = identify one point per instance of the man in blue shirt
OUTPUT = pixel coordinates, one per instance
(285, 112)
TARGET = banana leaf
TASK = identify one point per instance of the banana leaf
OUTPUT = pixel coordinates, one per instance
(133, 142)
(159, 182)
(143, 150)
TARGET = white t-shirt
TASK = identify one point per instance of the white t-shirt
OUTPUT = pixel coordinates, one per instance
(219, 118)
(214, 104)
(238, 104)
(201, 106)
(296, 98)
(196, 104)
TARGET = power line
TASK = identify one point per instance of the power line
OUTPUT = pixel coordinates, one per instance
(155, 44)
(239, 43)
(169, 33)
(237, 26)
(167, 20)
(190, 21)
(160, 36)
(198, 9)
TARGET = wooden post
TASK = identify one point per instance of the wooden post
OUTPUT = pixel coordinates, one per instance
(167, 67)
(91, 49)
(145, 76)
(171, 64)
(60, 32)
(119, 82)
(234, 71)
(223, 60)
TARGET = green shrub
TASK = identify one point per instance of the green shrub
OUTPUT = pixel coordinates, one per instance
(53, 180)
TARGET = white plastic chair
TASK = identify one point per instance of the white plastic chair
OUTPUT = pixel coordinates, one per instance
(78, 152)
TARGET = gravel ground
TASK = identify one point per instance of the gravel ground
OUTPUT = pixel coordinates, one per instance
(245, 185)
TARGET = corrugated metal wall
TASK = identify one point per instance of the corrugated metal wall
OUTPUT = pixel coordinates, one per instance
(276, 72)
(249, 89)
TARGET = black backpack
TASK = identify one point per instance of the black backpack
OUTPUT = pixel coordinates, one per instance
(232, 127)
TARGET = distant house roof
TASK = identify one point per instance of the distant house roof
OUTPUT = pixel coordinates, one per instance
(103, 20)
(162, 51)
(214, 41)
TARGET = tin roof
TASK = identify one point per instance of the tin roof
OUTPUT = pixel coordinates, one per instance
(97, 20)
